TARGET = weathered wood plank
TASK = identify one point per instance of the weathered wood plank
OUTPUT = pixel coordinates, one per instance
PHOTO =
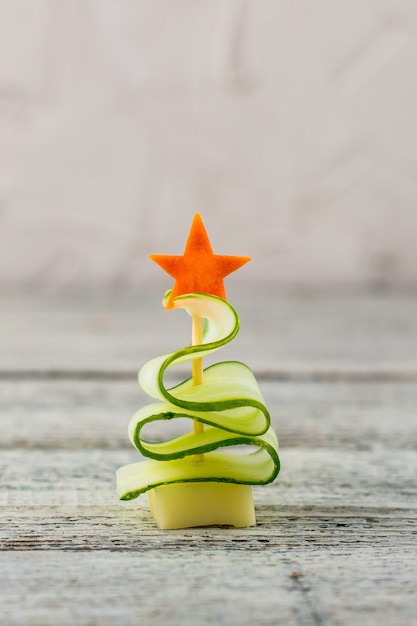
(321, 477)
(283, 528)
(336, 533)
(328, 586)
(95, 414)
(280, 333)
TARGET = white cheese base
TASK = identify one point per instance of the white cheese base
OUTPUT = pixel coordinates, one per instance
(187, 505)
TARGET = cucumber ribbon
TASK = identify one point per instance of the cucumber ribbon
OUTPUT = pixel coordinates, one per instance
(229, 403)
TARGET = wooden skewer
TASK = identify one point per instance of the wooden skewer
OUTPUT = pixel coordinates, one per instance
(197, 371)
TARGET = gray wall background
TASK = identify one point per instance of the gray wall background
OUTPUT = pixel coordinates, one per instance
(291, 126)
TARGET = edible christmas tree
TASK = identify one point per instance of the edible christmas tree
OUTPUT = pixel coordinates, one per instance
(190, 480)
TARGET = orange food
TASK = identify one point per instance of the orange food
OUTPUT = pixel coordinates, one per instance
(198, 270)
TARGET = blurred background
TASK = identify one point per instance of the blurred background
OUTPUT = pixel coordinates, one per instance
(290, 126)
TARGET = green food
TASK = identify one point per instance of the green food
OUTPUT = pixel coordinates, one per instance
(228, 403)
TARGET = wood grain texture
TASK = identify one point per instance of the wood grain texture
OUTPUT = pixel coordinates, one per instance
(75, 414)
(314, 477)
(236, 587)
(336, 534)
(281, 335)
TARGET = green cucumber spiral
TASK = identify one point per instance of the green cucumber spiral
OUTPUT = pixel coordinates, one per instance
(228, 402)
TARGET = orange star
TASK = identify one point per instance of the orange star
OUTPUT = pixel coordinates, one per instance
(198, 270)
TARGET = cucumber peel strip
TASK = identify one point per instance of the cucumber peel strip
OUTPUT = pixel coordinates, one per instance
(228, 402)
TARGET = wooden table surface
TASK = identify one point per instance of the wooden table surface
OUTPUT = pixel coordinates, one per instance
(336, 534)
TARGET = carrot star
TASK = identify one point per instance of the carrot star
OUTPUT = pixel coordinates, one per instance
(198, 270)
